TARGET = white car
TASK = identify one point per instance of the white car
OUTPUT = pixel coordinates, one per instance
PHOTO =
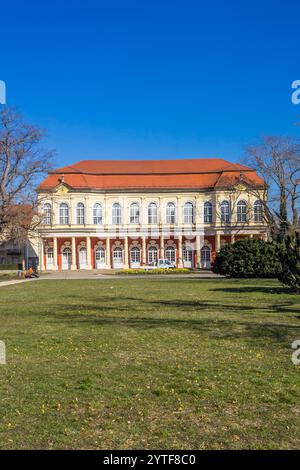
(164, 264)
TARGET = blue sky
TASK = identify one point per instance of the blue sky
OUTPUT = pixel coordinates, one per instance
(153, 78)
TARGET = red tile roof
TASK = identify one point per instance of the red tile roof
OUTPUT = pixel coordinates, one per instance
(151, 174)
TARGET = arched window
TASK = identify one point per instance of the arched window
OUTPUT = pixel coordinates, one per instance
(257, 209)
(225, 212)
(82, 257)
(170, 213)
(66, 258)
(49, 258)
(99, 257)
(64, 214)
(47, 214)
(135, 255)
(152, 213)
(134, 213)
(241, 211)
(117, 257)
(188, 213)
(116, 213)
(152, 255)
(205, 256)
(80, 213)
(170, 254)
(97, 213)
(207, 212)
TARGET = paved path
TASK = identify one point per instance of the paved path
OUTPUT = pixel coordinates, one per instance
(15, 281)
(101, 275)
(98, 276)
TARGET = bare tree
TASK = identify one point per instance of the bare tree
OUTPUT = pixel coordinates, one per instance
(277, 161)
(22, 163)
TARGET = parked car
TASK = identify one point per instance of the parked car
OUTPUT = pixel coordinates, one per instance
(164, 264)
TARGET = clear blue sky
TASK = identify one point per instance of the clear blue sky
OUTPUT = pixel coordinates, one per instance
(152, 78)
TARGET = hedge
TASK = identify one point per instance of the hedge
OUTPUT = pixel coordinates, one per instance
(155, 271)
(249, 258)
(8, 267)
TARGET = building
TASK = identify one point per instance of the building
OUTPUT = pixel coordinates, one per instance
(17, 243)
(118, 214)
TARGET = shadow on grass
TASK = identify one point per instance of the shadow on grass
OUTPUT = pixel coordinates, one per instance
(251, 289)
(137, 314)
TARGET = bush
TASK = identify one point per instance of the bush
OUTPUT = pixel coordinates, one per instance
(249, 258)
(155, 271)
(8, 267)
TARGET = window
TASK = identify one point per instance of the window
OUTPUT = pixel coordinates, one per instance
(97, 213)
(170, 254)
(205, 257)
(187, 254)
(258, 216)
(135, 255)
(80, 213)
(188, 213)
(47, 216)
(242, 211)
(116, 213)
(49, 258)
(170, 213)
(225, 212)
(64, 216)
(134, 213)
(152, 213)
(207, 212)
(152, 254)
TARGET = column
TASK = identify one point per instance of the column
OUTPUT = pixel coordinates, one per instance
(55, 267)
(180, 265)
(265, 237)
(232, 238)
(108, 264)
(73, 265)
(162, 247)
(126, 264)
(198, 252)
(218, 242)
(41, 257)
(251, 235)
(144, 256)
(88, 252)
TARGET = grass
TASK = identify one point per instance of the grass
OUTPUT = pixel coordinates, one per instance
(147, 363)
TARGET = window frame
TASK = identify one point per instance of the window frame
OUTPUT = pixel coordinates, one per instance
(64, 218)
(134, 213)
(188, 213)
(152, 212)
(80, 213)
(97, 218)
(241, 212)
(116, 213)
(171, 213)
(208, 212)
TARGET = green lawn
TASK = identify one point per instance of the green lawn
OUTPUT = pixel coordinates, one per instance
(147, 363)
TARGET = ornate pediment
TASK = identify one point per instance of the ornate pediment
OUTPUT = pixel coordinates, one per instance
(240, 187)
(61, 189)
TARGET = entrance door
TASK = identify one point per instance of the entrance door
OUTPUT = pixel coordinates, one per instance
(117, 258)
(205, 257)
(66, 258)
(135, 257)
(82, 258)
(100, 258)
(187, 257)
(49, 259)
